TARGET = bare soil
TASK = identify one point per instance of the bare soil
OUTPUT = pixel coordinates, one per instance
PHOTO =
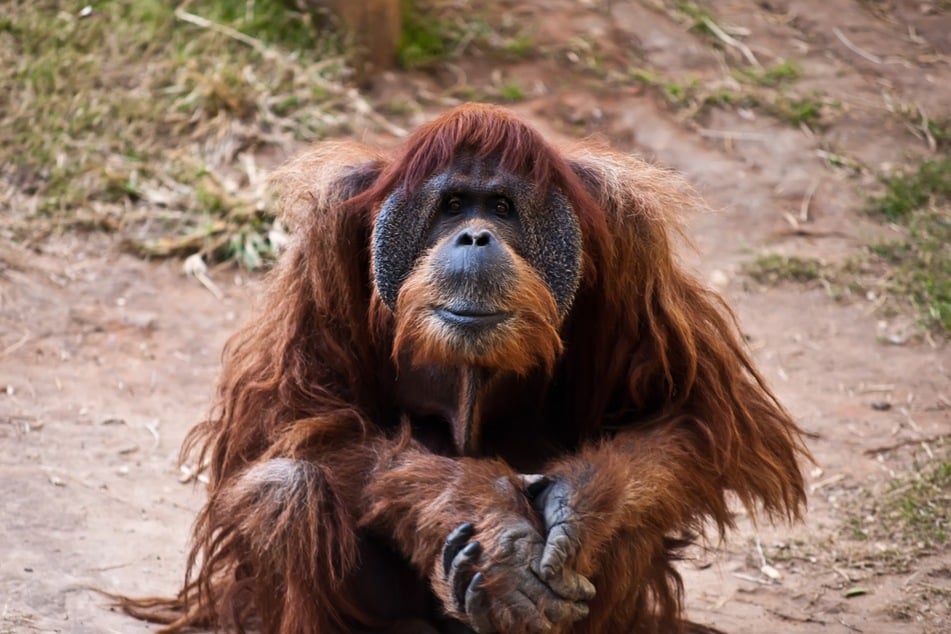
(107, 360)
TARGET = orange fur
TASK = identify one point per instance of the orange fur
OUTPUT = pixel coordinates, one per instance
(528, 338)
(646, 401)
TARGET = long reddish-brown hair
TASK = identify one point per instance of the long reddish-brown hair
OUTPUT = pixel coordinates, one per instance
(312, 370)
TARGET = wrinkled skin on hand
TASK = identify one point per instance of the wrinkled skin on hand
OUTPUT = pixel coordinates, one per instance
(501, 583)
(551, 499)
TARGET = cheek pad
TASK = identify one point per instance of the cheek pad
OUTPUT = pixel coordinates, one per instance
(552, 238)
(398, 236)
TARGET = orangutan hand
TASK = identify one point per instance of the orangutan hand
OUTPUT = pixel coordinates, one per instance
(494, 575)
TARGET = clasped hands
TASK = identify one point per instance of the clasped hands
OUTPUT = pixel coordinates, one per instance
(518, 574)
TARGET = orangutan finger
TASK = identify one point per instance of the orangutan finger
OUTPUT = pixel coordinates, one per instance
(454, 543)
(478, 607)
(462, 569)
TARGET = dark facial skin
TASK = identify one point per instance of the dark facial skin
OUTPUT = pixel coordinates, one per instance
(468, 232)
(468, 204)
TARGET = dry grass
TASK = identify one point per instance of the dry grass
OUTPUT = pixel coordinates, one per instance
(912, 269)
(919, 202)
(907, 521)
(129, 117)
(148, 117)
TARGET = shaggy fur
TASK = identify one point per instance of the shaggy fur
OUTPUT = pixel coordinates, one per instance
(325, 496)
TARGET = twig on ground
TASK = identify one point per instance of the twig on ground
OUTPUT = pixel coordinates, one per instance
(195, 266)
(729, 40)
(765, 567)
(16, 345)
(824, 483)
(152, 427)
(189, 473)
(227, 31)
(842, 574)
(904, 443)
(762, 582)
(875, 59)
(804, 207)
(113, 566)
(795, 619)
(733, 135)
(759, 551)
(875, 387)
(925, 129)
(911, 578)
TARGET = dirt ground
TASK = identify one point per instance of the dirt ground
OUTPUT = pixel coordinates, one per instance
(106, 360)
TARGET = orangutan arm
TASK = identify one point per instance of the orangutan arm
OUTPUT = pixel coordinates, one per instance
(467, 525)
(647, 484)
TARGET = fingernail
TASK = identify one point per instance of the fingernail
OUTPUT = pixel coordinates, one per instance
(589, 588)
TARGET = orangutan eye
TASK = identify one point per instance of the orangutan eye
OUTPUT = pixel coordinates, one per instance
(454, 205)
(502, 207)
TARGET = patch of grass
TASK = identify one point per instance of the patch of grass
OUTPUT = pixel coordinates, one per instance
(852, 278)
(693, 96)
(511, 91)
(782, 73)
(914, 514)
(920, 201)
(941, 132)
(468, 93)
(759, 89)
(923, 509)
(752, 87)
(724, 97)
(127, 117)
(677, 93)
(915, 269)
(773, 268)
(503, 39)
(645, 76)
(798, 110)
(835, 159)
(697, 15)
(520, 46)
(434, 32)
(922, 263)
(426, 37)
(270, 21)
(904, 193)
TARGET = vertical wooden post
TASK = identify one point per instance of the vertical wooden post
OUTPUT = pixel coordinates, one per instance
(374, 28)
